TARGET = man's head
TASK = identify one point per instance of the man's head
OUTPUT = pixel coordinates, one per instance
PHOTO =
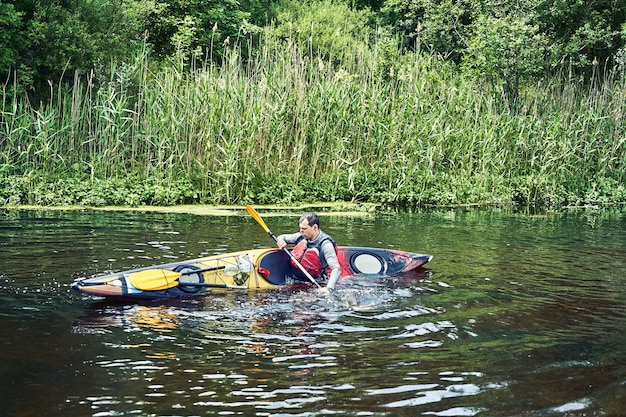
(309, 225)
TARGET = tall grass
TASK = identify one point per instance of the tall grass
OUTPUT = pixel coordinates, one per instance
(286, 125)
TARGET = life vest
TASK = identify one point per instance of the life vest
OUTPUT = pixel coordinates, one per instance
(308, 254)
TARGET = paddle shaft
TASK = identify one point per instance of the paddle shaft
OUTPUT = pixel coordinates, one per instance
(260, 221)
(195, 271)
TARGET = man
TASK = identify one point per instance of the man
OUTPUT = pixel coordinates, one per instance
(315, 250)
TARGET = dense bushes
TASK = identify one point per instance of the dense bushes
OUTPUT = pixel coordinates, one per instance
(42, 190)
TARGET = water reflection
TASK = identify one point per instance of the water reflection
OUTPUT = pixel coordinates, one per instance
(132, 317)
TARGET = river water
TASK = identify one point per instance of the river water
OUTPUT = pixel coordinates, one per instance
(518, 314)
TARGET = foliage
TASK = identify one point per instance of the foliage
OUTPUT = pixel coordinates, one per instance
(499, 52)
(581, 33)
(281, 127)
(321, 108)
(74, 35)
(512, 42)
(10, 37)
(41, 190)
(330, 29)
(441, 26)
(199, 26)
(48, 41)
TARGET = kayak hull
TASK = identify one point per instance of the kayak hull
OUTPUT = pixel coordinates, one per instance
(253, 269)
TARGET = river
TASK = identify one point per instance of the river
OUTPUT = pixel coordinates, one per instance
(518, 314)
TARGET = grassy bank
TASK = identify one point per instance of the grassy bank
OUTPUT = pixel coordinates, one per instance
(295, 210)
(287, 127)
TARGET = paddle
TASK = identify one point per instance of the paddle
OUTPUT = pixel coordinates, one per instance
(162, 279)
(256, 216)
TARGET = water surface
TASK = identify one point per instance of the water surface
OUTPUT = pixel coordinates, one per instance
(517, 315)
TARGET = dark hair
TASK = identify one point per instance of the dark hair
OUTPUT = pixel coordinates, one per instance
(311, 218)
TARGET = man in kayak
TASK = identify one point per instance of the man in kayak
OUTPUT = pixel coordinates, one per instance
(315, 250)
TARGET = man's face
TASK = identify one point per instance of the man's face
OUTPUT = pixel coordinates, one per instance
(308, 232)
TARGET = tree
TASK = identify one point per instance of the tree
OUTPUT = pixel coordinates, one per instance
(201, 26)
(581, 32)
(10, 38)
(576, 33)
(329, 28)
(436, 25)
(507, 50)
(62, 37)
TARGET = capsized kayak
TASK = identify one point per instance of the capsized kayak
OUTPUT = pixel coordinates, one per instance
(253, 269)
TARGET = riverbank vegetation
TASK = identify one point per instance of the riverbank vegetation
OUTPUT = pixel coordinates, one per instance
(322, 105)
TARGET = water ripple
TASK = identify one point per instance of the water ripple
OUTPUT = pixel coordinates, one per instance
(425, 397)
(520, 316)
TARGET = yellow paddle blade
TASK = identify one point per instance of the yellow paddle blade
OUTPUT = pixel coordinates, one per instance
(154, 279)
(256, 216)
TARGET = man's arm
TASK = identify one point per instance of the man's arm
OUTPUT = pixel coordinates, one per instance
(288, 239)
(330, 254)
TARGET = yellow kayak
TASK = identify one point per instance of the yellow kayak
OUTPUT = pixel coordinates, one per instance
(252, 269)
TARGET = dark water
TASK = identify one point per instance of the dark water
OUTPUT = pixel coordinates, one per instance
(519, 315)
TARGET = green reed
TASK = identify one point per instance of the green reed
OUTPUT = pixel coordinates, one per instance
(285, 125)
